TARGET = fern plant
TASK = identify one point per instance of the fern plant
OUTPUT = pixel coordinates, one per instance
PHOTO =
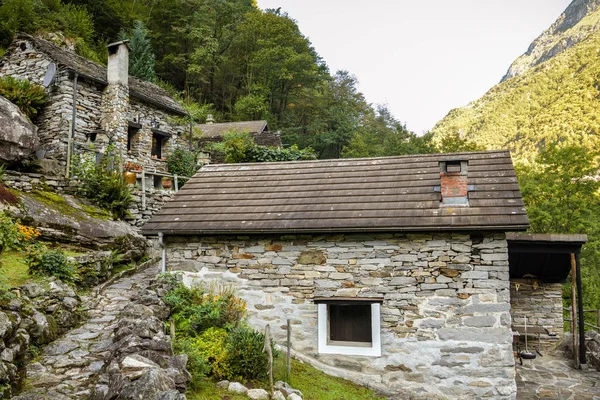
(29, 97)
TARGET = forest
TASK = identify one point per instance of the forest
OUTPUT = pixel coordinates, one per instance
(230, 59)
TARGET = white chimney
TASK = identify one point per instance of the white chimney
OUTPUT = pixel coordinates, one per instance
(118, 63)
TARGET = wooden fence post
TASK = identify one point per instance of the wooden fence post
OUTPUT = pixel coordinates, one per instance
(289, 350)
(269, 351)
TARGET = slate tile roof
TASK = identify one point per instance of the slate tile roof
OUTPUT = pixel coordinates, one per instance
(138, 88)
(345, 195)
(218, 129)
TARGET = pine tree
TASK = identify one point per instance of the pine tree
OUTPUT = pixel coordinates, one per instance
(141, 55)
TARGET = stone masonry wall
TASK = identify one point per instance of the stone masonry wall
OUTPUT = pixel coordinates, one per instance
(23, 61)
(145, 114)
(445, 322)
(542, 305)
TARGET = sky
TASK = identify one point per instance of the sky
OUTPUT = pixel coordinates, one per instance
(421, 58)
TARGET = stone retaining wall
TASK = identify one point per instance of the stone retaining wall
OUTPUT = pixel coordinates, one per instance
(42, 312)
(28, 182)
(444, 314)
(542, 305)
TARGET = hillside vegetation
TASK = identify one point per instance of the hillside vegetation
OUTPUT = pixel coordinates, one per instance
(547, 112)
(556, 101)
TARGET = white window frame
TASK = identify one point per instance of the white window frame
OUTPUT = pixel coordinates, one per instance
(357, 350)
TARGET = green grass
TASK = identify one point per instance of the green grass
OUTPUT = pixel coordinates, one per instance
(14, 268)
(314, 385)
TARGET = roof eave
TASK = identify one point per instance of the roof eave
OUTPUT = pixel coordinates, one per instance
(495, 228)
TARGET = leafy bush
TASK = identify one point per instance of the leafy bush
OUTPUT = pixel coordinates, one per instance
(9, 235)
(240, 147)
(182, 162)
(245, 354)
(209, 329)
(211, 345)
(29, 97)
(44, 262)
(197, 364)
(104, 184)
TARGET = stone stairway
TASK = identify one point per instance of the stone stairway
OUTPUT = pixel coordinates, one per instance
(69, 367)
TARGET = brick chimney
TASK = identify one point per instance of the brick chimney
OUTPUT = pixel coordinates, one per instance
(454, 187)
(115, 99)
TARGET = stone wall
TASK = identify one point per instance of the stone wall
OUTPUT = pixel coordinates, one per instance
(43, 311)
(542, 305)
(445, 322)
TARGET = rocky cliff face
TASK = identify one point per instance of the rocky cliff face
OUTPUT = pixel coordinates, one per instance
(575, 24)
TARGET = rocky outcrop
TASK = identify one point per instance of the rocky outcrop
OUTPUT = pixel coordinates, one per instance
(592, 341)
(18, 136)
(569, 29)
(67, 219)
(42, 312)
(141, 363)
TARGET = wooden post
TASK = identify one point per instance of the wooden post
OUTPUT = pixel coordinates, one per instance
(289, 350)
(172, 333)
(574, 312)
(269, 351)
(143, 190)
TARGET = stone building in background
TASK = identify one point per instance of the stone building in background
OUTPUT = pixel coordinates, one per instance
(394, 272)
(108, 106)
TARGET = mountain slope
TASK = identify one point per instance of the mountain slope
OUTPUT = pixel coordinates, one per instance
(546, 101)
(575, 24)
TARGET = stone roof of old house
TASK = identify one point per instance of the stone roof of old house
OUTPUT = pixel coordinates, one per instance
(387, 194)
(138, 88)
(218, 129)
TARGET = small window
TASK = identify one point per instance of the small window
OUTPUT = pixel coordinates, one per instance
(157, 145)
(349, 327)
(159, 139)
(131, 138)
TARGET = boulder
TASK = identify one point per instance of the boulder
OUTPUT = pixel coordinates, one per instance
(66, 219)
(257, 394)
(18, 136)
(236, 387)
(593, 349)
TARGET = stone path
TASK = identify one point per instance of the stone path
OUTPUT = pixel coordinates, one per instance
(69, 366)
(551, 377)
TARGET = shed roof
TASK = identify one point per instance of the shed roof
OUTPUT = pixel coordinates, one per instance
(542, 256)
(346, 195)
(217, 130)
(138, 88)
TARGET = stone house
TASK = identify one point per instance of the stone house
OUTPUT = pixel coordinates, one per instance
(259, 130)
(91, 105)
(393, 272)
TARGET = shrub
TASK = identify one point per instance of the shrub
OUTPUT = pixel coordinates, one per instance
(9, 235)
(240, 147)
(104, 185)
(44, 262)
(197, 365)
(211, 345)
(30, 98)
(246, 358)
(182, 162)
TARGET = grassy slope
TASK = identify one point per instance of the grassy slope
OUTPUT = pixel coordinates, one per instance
(314, 385)
(556, 101)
